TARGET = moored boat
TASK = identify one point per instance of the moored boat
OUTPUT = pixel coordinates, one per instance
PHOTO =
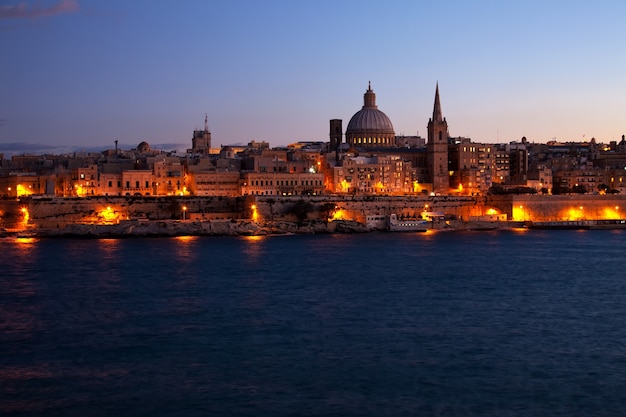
(397, 225)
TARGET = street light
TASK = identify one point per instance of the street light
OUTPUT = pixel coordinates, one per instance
(184, 211)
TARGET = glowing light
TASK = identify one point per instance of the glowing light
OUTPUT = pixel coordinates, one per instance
(25, 216)
(574, 213)
(344, 186)
(255, 213)
(519, 214)
(339, 214)
(184, 211)
(611, 213)
(108, 215)
(21, 190)
(186, 239)
(492, 211)
(80, 190)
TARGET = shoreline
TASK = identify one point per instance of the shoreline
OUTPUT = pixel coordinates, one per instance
(176, 228)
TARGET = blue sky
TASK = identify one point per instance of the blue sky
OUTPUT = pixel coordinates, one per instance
(86, 72)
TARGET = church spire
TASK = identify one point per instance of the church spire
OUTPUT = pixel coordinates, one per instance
(437, 116)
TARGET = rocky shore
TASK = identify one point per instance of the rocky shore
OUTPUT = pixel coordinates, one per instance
(135, 228)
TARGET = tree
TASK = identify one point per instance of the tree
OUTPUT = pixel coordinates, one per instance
(327, 210)
(301, 210)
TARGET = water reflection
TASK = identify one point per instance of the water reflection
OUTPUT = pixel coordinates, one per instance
(108, 248)
(253, 248)
(185, 248)
(109, 253)
(25, 243)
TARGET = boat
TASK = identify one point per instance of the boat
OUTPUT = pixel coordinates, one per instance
(396, 225)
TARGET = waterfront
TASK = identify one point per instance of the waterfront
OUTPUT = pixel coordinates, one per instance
(508, 322)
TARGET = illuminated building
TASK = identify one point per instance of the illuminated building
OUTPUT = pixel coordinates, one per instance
(214, 183)
(282, 183)
(373, 175)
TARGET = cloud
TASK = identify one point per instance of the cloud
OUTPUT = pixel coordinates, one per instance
(23, 11)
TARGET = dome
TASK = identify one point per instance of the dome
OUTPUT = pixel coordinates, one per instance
(143, 147)
(370, 127)
(368, 120)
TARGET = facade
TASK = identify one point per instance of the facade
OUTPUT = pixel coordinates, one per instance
(215, 183)
(471, 166)
(374, 175)
(282, 183)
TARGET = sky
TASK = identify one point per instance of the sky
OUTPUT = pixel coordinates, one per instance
(85, 73)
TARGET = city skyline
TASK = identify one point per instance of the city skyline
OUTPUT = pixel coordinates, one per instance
(82, 73)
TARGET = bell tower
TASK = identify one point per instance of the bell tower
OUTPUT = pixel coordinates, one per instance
(201, 141)
(438, 148)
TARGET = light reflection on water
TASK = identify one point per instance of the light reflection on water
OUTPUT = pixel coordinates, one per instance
(498, 323)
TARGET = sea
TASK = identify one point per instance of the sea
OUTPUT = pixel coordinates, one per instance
(474, 323)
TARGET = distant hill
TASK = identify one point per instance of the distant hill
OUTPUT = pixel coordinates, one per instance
(17, 148)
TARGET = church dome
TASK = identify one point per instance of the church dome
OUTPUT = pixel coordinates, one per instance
(370, 127)
(143, 147)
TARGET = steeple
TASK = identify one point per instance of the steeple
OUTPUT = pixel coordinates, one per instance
(437, 116)
(369, 98)
(206, 122)
(437, 148)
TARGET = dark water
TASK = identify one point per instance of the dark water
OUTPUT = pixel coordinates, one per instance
(447, 324)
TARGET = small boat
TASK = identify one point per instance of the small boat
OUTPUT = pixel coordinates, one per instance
(396, 225)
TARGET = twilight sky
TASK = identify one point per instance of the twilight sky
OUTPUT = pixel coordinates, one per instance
(87, 72)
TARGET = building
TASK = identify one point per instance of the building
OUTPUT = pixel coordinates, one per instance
(282, 183)
(374, 175)
(438, 149)
(368, 128)
(201, 141)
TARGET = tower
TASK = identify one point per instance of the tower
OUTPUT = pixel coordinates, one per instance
(438, 148)
(201, 141)
(335, 136)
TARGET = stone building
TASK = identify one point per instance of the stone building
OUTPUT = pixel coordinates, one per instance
(374, 175)
(282, 183)
(201, 141)
(438, 148)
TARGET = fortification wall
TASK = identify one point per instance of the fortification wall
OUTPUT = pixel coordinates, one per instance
(358, 207)
(59, 212)
(559, 207)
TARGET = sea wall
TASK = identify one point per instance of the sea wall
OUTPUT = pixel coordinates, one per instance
(541, 208)
(356, 208)
(57, 213)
